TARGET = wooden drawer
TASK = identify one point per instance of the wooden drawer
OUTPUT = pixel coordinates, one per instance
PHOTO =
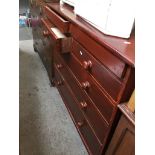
(57, 20)
(89, 139)
(98, 71)
(114, 64)
(105, 107)
(94, 91)
(96, 119)
(58, 37)
(67, 97)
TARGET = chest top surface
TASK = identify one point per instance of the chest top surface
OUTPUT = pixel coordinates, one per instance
(123, 48)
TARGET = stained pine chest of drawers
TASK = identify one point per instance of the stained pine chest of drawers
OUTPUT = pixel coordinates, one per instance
(93, 72)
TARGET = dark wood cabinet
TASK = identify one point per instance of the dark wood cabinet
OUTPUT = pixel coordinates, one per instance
(42, 41)
(92, 71)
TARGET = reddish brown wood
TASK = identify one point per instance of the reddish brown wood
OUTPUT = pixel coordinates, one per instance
(98, 71)
(57, 20)
(104, 107)
(101, 53)
(93, 71)
(123, 141)
(65, 42)
(83, 128)
(127, 113)
(88, 108)
(48, 26)
(123, 48)
(83, 55)
(110, 84)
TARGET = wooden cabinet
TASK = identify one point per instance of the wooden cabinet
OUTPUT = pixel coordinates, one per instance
(42, 41)
(92, 71)
(123, 141)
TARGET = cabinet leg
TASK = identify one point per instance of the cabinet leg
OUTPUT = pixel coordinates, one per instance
(35, 49)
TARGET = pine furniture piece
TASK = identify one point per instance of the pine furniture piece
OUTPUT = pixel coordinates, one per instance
(92, 71)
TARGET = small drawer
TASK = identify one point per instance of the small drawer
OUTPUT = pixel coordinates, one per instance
(59, 38)
(89, 139)
(99, 121)
(111, 86)
(112, 62)
(57, 20)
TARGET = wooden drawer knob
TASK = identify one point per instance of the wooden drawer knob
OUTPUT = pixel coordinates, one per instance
(85, 85)
(87, 64)
(60, 82)
(46, 33)
(59, 66)
(83, 105)
(80, 124)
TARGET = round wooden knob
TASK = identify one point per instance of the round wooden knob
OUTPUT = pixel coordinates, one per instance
(45, 33)
(87, 64)
(83, 105)
(59, 66)
(80, 124)
(59, 83)
(85, 85)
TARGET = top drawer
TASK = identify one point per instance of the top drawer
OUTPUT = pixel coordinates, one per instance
(57, 20)
(113, 63)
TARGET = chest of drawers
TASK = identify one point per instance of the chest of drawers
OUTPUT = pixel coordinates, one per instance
(93, 72)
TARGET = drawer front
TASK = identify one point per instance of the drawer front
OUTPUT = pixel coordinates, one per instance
(57, 20)
(95, 92)
(97, 120)
(64, 41)
(113, 63)
(46, 47)
(83, 128)
(98, 71)
(67, 97)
